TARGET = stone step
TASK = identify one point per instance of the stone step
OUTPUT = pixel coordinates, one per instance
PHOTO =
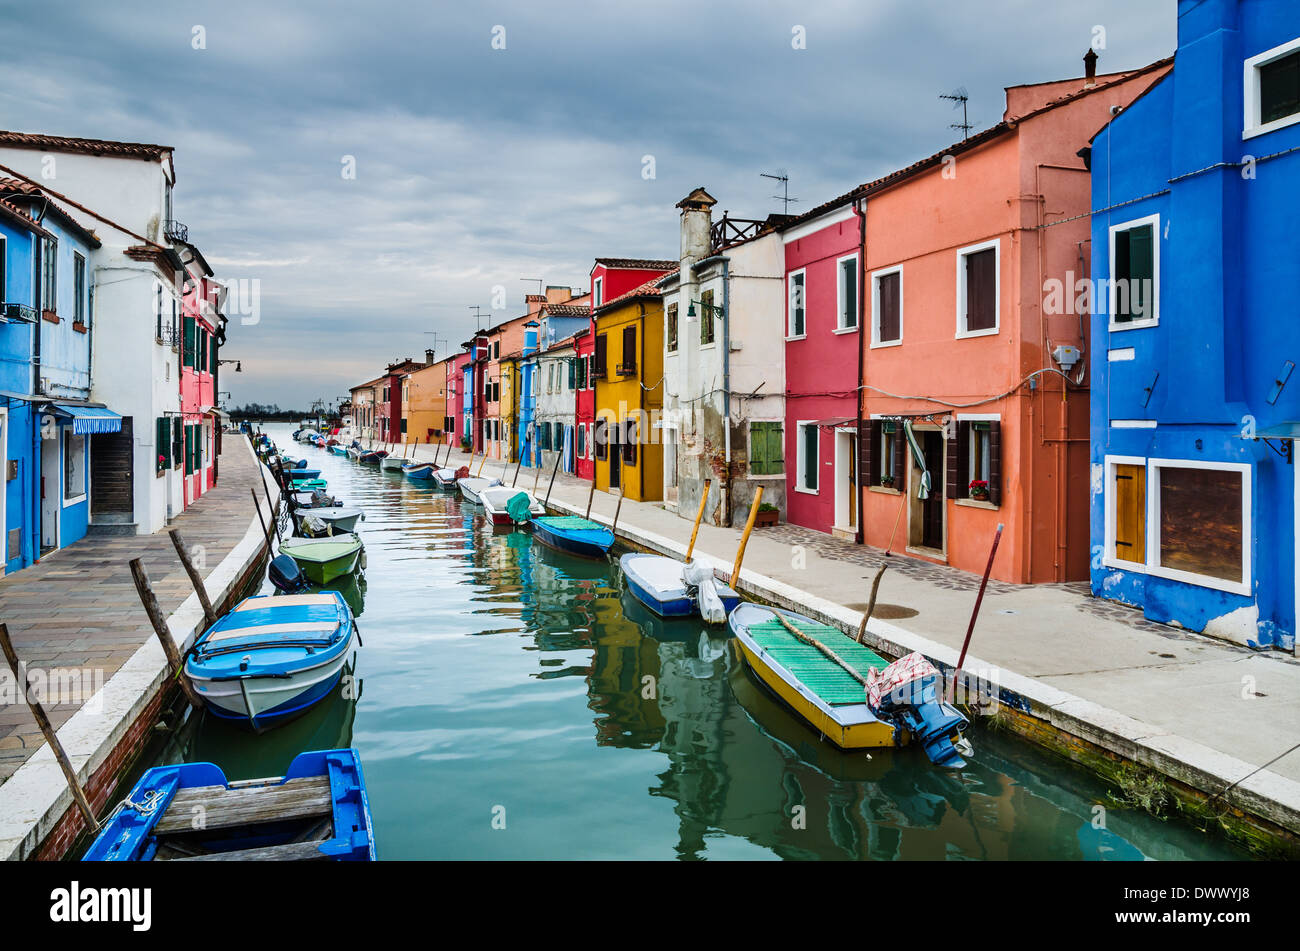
(111, 528)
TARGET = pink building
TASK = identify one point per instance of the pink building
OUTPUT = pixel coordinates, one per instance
(202, 333)
(823, 313)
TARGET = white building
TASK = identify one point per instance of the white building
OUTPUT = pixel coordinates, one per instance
(724, 360)
(122, 192)
(556, 403)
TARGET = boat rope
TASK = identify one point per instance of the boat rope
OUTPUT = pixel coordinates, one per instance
(146, 808)
(808, 638)
(1257, 769)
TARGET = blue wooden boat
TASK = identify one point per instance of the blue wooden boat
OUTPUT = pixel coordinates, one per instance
(339, 450)
(660, 583)
(302, 473)
(574, 535)
(271, 658)
(318, 810)
(372, 456)
(420, 471)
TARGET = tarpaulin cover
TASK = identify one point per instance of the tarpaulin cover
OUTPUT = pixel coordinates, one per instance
(905, 670)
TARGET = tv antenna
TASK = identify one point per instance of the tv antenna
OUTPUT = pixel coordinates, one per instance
(784, 179)
(529, 280)
(959, 98)
(478, 315)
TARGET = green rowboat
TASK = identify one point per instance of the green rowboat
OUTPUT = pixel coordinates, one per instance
(308, 485)
(326, 558)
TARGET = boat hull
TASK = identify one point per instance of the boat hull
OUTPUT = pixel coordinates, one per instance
(571, 543)
(318, 567)
(656, 581)
(419, 473)
(391, 462)
(264, 703)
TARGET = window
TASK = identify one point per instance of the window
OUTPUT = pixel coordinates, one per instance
(496, 349)
(580, 370)
(1134, 298)
(598, 365)
(671, 328)
(573, 374)
(189, 450)
(403, 424)
(74, 466)
(631, 436)
(178, 443)
(190, 331)
(628, 366)
(158, 310)
(1272, 89)
(163, 443)
(79, 288)
(591, 372)
(848, 293)
(795, 313)
(49, 274)
(887, 307)
(766, 449)
(1198, 520)
(977, 290)
(601, 438)
(974, 461)
(883, 454)
(809, 444)
(706, 318)
(598, 292)
(581, 437)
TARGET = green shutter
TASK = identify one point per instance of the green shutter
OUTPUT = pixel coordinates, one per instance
(581, 373)
(189, 341)
(164, 459)
(766, 449)
(573, 374)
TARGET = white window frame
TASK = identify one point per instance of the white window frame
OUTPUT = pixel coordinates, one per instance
(962, 254)
(789, 304)
(876, 342)
(598, 292)
(1154, 319)
(1153, 525)
(840, 326)
(1251, 126)
(801, 466)
(1108, 556)
(69, 500)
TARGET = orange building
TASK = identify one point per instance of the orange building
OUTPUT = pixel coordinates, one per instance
(974, 408)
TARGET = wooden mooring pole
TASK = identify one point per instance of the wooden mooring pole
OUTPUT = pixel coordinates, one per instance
(744, 539)
(187, 563)
(871, 602)
(257, 504)
(47, 730)
(975, 613)
(591, 494)
(695, 530)
(613, 527)
(151, 608)
(554, 469)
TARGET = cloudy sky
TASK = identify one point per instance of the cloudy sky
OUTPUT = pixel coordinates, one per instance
(477, 167)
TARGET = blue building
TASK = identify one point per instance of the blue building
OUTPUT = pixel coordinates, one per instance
(526, 438)
(59, 369)
(1196, 331)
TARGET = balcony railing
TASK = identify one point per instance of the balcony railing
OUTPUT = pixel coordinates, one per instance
(626, 369)
(170, 336)
(18, 313)
(175, 231)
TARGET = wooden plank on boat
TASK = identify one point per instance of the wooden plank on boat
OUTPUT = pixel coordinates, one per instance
(815, 670)
(289, 852)
(226, 808)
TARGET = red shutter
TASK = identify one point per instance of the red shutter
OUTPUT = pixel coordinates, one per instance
(995, 462)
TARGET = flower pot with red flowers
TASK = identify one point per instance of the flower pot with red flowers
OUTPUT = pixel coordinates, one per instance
(979, 490)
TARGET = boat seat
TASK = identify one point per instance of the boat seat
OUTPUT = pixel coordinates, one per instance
(224, 808)
(287, 601)
(289, 852)
(308, 628)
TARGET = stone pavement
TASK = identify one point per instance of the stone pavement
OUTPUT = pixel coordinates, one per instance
(76, 614)
(1234, 700)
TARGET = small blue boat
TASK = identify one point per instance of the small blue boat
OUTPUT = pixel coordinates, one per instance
(574, 535)
(271, 658)
(302, 473)
(420, 471)
(318, 810)
(339, 450)
(660, 583)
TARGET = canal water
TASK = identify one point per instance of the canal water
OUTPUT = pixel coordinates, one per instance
(511, 702)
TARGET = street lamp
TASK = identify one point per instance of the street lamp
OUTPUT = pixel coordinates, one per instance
(713, 309)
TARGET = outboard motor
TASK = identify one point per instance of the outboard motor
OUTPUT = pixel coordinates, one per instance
(908, 691)
(285, 574)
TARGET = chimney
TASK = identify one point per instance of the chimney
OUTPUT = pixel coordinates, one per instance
(530, 338)
(697, 220)
(1089, 68)
(428, 358)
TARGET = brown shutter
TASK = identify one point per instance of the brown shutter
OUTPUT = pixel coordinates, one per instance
(901, 454)
(995, 462)
(629, 349)
(600, 355)
(956, 482)
(868, 434)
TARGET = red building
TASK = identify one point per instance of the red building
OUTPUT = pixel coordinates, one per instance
(203, 329)
(823, 313)
(388, 400)
(610, 278)
(455, 427)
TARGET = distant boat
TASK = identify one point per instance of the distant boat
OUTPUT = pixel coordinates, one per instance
(318, 810)
(471, 487)
(574, 535)
(340, 518)
(391, 462)
(272, 657)
(324, 559)
(420, 471)
(496, 500)
(447, 477)
(307, 485)
(372, 456)
(660, 584)
(835, 703)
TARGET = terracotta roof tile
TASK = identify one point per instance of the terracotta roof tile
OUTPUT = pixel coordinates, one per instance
(637, 264)
(62, 143)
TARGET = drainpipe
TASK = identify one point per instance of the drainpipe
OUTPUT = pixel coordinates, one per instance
(860, 209)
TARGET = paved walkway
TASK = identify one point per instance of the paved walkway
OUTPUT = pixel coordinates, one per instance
(1240, 702)
(76, 612)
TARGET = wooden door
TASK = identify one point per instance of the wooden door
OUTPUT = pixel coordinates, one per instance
(112, 459)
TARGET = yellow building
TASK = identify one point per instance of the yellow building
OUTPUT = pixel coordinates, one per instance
(628, 367)
(509, 406)
(424, 403)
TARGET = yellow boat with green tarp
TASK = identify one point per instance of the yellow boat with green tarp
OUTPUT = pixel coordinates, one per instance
(822, 673)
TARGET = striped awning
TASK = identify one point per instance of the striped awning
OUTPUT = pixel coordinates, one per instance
(89, 420)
